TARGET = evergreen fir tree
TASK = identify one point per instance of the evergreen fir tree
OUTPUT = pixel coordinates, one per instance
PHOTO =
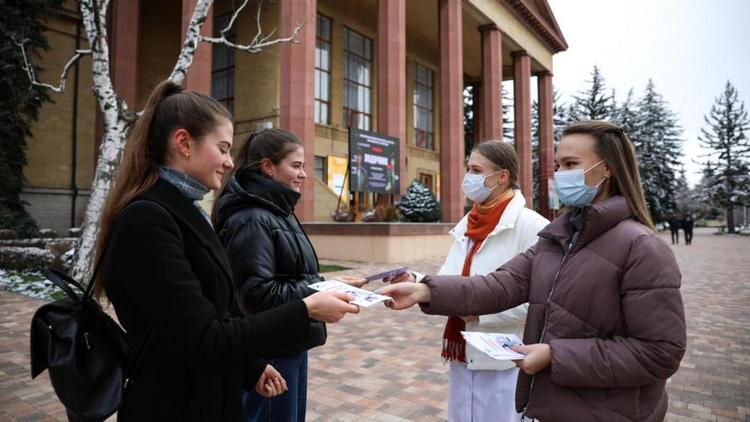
(704, 196)
(535, 154)
(725, 136)
(559, 122)
(626, 114)
(593, 103)
(561, 115)
(468, 119)
(19, 105)
(419, 204)
(683, 193)
(656, 137)
(508, 128)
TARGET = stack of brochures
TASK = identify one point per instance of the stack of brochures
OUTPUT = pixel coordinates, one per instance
(495, 345)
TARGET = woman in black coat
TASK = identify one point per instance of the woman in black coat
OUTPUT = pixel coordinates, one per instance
(165, 271)
(272, 260)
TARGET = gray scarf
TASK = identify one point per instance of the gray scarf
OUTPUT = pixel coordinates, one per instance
(188, 185)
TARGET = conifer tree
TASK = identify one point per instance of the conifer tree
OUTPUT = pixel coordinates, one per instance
(20, 104)
(468, 95)
(508, 128)
(559, 122)
(626, 114)
(704, 195)
(656, 137)
(419, 204)
(725, 135)
(593, 103)
(683, 193)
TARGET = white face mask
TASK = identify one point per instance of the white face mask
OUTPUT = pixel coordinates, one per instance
(474, 188)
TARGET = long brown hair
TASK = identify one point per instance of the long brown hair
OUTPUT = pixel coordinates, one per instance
(274, 144)
(168, 108)
(614, 146)
(502, 156)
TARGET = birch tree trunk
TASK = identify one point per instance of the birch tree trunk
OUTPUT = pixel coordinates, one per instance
(116, 130)
(118, 120)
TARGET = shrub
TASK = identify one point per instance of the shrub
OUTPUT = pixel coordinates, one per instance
(25, 259)
(343, 215)
(6, 234)
(48, 233)
(419, 204)
(382, 213)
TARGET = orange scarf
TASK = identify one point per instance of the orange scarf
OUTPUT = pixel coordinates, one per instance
(482, 220)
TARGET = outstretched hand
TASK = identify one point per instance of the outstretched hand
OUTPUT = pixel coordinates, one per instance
(329, 306)
(352, 281)
(405, 295)
(401, 278)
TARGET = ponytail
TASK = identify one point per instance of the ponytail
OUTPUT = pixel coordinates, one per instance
(168, 108)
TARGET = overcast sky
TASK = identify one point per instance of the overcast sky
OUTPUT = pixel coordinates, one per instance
(689, 48)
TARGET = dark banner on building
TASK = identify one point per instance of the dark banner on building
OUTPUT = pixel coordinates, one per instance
(373, 162)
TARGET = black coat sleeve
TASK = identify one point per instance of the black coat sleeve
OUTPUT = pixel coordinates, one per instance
(251, 248)
(147, 260)
(253, 371)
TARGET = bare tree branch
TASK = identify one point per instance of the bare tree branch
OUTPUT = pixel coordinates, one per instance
(32, 74)
(192, 39)
(234, 17)
(258, 42)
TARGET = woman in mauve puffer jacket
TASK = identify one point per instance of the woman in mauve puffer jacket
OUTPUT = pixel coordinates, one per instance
(605, 325)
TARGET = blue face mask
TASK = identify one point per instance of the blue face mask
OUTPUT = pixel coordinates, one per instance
(571, 187)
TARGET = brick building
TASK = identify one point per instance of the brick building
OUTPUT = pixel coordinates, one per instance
(397, 67)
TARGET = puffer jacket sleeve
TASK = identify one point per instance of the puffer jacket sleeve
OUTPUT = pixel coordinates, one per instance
(655, 323)
(165, 290)
(529, 225)
(251, 251)
(495, 292)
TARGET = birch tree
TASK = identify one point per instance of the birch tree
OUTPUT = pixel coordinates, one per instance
(118, 118)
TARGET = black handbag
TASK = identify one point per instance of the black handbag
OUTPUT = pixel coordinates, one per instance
(84, 350)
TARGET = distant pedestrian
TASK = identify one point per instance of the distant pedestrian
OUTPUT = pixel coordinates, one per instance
(674, 227)
(687, 227)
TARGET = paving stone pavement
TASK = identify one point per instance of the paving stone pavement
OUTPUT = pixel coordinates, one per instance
(382, 365)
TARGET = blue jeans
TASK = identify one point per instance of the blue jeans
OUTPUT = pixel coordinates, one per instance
(287, 407)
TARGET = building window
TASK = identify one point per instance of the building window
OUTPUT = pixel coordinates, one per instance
(427, 180)
(321, 168)
(357, 80)
(423, 108)
(222, 65)
(323, 70)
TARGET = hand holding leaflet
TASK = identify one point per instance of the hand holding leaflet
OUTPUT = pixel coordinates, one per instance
(390, 273)
(362, 297)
